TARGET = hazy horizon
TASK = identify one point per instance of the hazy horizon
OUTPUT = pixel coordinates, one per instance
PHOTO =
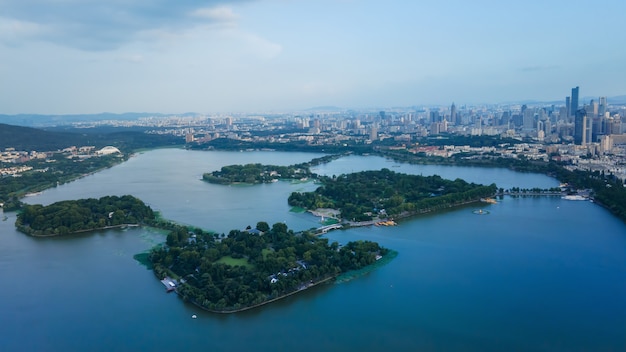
(279, 55)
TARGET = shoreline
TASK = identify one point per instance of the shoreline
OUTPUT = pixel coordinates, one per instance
(83, 231)
(339, 278)
(238, 310)
(352, 224)
(353, 274)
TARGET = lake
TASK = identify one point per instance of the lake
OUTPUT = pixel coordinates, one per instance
(534, 274)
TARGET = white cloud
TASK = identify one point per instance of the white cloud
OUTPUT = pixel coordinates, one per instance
(14, 31)
(218, 14)
(109, 24)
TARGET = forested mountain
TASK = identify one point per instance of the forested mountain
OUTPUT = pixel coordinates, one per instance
(27, 139)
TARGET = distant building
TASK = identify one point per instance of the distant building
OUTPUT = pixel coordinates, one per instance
(580, 127)
(574, 102)
(434, 116)
(373, 133)
(602, 108)
(108, 150)
(453, 115)
(529, 119)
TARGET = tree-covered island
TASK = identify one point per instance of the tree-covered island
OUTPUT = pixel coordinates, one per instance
(252, 267)
(259, 173)
(255, 173)
(368, 195)
(245, 269)
(73, 216)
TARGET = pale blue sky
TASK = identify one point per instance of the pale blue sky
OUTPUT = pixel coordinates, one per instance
(90, 56)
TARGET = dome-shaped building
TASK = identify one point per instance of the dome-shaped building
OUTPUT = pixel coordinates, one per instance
(108, 150)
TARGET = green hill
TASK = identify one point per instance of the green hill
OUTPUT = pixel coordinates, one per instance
(28, 138)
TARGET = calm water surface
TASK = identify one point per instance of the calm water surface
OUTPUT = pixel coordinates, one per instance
(535, 274)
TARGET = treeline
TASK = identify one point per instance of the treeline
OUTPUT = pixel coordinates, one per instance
(472, 141)
(319, 161)
(608, 190)
(294, 146)
(255, 173)
(363, 195)
(72, 216)
(250, 267)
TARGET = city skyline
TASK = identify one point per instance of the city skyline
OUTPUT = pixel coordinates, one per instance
(272, 55)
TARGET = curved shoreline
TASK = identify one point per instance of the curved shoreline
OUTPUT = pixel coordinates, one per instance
(83, 231)
(339, 278)
(350, 224)
(262, 303)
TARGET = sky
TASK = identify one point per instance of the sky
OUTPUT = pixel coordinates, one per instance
(213, 56)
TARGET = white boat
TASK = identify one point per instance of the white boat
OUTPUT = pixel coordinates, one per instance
(573, 197)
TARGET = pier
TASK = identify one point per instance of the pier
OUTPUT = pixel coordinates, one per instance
(169, 283)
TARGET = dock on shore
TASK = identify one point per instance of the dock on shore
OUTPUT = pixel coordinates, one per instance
(169, 283)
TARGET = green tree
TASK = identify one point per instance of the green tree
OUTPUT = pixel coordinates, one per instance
(262, 226)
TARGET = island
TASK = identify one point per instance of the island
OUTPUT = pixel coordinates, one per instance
(381, 195)
(255, 266)
(75, 216)
(259, 173)
(256, 173)
(220, 273)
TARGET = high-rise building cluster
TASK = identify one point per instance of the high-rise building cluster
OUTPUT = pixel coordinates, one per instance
(593, 122)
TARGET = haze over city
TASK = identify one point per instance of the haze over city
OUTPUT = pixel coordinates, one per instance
(274, 55)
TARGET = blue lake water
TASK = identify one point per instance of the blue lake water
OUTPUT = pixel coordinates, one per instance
(535, 274)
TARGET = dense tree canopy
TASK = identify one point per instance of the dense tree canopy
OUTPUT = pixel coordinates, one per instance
(362, 195)
(247, 268)
(72, 216)
(259, 173)
(255, 173)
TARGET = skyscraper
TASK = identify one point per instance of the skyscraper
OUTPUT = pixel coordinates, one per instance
(453, 114)
(374, 132)
(568, 106)
(580, 126)
(594, 107)
(602, 107)
(528, 119)
(434, 116)
(574, 101)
